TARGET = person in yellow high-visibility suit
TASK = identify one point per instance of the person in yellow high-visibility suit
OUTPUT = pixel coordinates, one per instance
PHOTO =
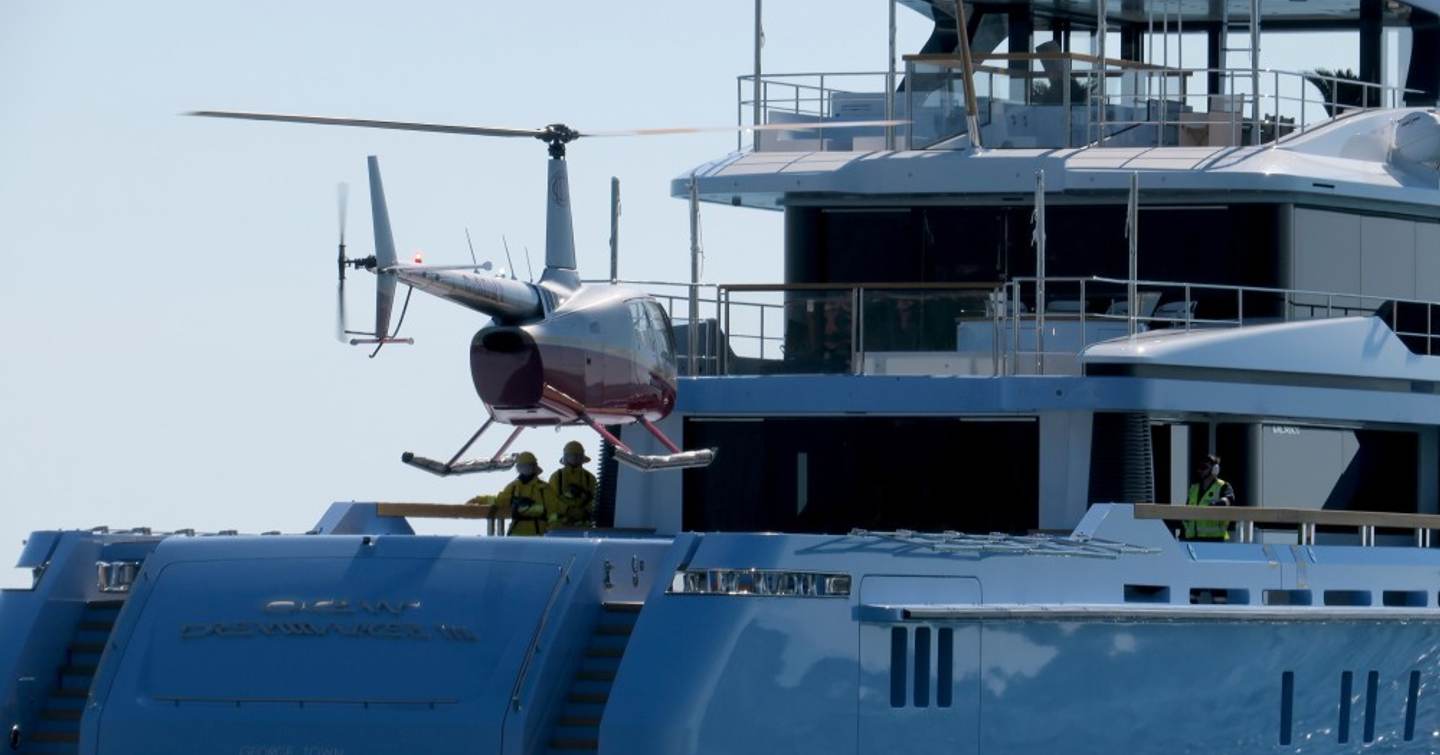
(530, 500)
(575, 487)
(1209, 490)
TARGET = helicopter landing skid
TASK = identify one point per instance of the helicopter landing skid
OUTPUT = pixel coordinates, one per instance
(498, 463)
(676, 459)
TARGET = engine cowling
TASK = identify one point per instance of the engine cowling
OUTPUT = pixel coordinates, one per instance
(506, 367)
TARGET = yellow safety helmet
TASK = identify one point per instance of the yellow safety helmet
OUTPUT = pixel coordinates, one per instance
(573, 449)
(526, 457)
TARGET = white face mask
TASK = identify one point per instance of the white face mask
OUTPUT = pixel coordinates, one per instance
(1215, 469)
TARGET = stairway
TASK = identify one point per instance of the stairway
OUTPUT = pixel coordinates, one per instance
(58, 728)
(578, 729)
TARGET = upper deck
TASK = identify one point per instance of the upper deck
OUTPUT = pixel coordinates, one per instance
(1055, 82)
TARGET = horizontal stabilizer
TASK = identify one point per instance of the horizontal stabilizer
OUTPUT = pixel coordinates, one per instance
(656, 462)
(465, 467)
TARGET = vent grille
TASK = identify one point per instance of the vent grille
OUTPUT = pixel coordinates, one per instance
(922, 666)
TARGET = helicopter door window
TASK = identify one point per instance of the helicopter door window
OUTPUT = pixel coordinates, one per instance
(660, 331)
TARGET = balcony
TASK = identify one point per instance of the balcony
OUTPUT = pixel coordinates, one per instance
(1047, 101)
(1015, 328)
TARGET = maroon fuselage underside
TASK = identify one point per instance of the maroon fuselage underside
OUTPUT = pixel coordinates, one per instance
(530, 382)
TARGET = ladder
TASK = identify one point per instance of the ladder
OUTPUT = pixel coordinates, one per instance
(1248, 24)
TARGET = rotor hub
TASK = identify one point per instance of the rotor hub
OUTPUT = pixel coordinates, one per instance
(557, 135)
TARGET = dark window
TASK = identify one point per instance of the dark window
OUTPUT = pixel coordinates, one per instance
(834, 474)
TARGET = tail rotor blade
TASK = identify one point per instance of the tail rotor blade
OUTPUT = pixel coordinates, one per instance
(342, 196)
(341, 324)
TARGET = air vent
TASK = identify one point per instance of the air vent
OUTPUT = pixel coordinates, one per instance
(1205, 596)
(945, 668)
(1147, 594)
(1288, 598)
(1411, 700)
(1347, 692)
(922, 667)
(911, 673)
(1287, 706)
(1348, 597)
(1403, 598)
(899, 657)
(1372, 689)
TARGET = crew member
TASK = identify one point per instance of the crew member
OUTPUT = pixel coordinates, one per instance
(532, 503)
(1209, 490)
(575, 487)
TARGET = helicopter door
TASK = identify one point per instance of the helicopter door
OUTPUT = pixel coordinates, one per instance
(919, 678)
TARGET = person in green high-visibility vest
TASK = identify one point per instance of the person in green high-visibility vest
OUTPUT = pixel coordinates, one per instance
(1209, 490)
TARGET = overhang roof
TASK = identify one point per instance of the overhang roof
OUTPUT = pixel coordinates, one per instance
(1288, 13)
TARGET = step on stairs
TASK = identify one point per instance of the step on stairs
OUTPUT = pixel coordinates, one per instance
(578, 729)
(58, 728)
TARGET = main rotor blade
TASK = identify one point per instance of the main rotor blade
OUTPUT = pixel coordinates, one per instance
(749, 127)
(320, 120)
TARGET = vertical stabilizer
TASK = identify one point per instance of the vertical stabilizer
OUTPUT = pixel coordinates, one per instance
(384, 252)
(559, 230)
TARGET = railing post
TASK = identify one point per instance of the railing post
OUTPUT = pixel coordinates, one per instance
(1014, 311)
(1329, 306)
(909, 105)
(739, 112)
(759, 36)
(1367, 535)
(890, 83)
(1039, 235)
(762, 331)
(857, 324)
(1240, 307)
(725, 353)
(1275, 138)
(1422, 538)
(693, 316)
(1065, 101)
(1189, 314)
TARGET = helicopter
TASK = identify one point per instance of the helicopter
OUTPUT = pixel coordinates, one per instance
(557, 351)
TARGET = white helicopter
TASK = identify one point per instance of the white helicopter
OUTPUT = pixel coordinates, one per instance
(555, 352)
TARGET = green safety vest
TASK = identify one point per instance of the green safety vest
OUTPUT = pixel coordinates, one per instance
(1202, 529)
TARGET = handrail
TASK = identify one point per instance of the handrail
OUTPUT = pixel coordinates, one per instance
(933, 285)
(1267, 515)
(435, 510)
(534, 646)
(1305, 520)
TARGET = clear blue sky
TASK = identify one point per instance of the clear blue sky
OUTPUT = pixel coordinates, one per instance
(168, 282)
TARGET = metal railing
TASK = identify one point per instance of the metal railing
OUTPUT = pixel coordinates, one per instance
(1052, 100)
(1304, 521)
(998, 329)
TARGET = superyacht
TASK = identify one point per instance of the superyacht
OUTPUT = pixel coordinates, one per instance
(954, 447)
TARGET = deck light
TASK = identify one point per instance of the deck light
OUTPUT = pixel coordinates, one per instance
(762, 582)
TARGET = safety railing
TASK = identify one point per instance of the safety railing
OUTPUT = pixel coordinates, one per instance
(1001, 329)
(813, 97)
(1303, 521)
(1052, 100)
(1047, 336)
